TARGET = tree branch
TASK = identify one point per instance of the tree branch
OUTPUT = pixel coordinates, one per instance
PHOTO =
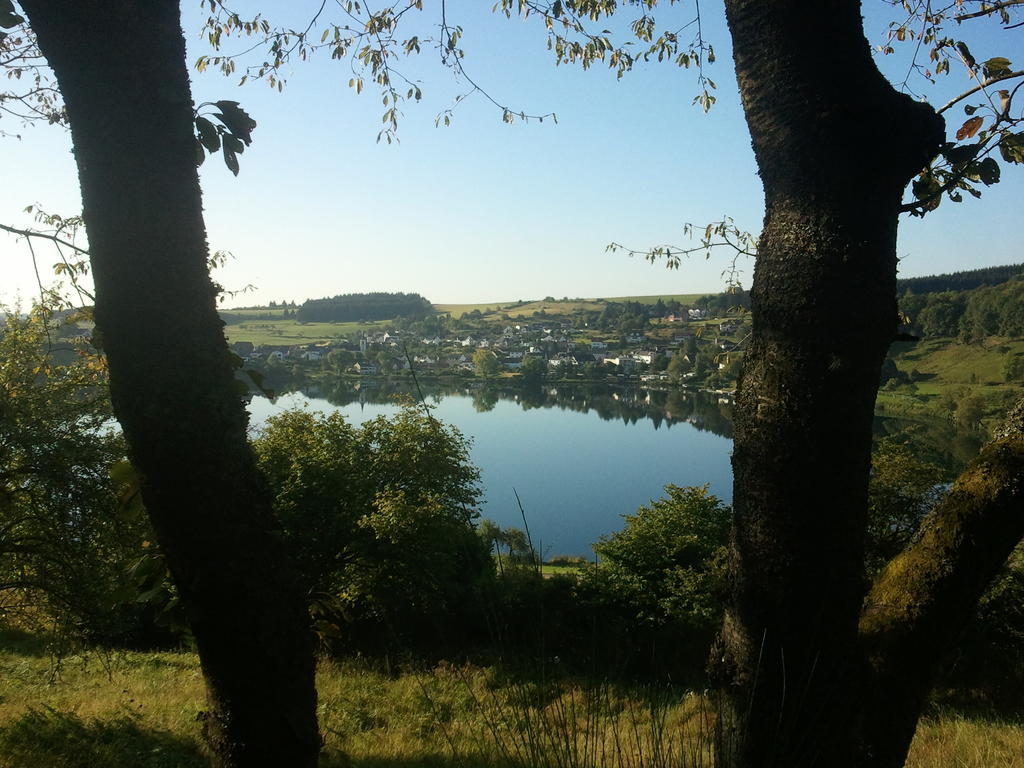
(926, 595)
(994, 8)
(979, 87)
(44, 236)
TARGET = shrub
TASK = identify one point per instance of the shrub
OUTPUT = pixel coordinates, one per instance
(66, 539)
(379, 519)
(668, 562)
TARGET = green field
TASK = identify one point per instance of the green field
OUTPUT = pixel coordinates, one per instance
(287, 331)
(954, 364)
(946, 371)
(514, 309)
(142, 710)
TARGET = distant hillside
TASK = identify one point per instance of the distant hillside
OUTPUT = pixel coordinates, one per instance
(353, 307)
(959, 281)
(564, 305)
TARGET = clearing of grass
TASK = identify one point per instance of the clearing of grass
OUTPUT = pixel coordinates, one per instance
(145, 710)
(519, 309)
(945, 371)
(286, 331)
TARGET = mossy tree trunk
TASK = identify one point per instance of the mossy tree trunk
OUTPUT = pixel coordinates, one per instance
(121, 68)
(810, 672)
(835, 146)
(925, 596)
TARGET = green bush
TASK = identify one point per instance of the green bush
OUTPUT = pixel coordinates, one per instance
(66, 537)
(380, 521)
(903, 488)
(668, 563)
(989, 657)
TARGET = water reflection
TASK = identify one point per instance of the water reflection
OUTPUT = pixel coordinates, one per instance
(577, 475)
(937, 441)
(705, 411)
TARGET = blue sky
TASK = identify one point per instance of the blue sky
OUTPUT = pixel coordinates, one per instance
(481, 210)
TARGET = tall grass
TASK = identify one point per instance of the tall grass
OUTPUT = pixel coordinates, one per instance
(142, 710)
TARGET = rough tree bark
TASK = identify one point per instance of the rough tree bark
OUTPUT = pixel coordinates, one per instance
(811, 673)
(835, 146)
(121, 69)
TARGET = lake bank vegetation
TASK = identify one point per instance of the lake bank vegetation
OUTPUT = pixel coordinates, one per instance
(438, 631)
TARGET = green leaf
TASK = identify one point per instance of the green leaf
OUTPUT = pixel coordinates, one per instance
(234, 143)
(996, 66)
(966, 53)
(1011, 147)
(230, 159)
(969, 109)
(208, 134)
(124, 472)
(150, 594)
(988, 171)
(8, 18)
(958, 155)
(236, 120)
(200, 153)
(926, 187)
(146, 569)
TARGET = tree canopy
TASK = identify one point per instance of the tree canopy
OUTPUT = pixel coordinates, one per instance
(363, 306)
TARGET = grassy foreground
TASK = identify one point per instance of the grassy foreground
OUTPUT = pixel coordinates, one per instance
(144, 710)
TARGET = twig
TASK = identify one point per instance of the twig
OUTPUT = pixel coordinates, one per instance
(979, 87)
(994, 8)
(44, 236)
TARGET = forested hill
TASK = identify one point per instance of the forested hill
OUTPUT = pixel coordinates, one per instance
(959, 281)
(352, 307)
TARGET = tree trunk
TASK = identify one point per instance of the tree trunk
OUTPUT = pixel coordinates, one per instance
(926, 595)
(121, 68)
(835, 145)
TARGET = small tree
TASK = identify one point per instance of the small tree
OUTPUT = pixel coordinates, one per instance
(338, 360)
(669, 559)
(486, 363)
(379, 518)
(1013, 367)
(534, 369)
(678, 366)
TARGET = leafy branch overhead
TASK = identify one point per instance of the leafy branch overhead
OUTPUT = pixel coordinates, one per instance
(371, 42)
(31, 94)
(993, 123)
(230, 137)
(717, 234)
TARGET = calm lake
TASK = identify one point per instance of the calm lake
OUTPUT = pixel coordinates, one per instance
(582, 456)
(578, 457)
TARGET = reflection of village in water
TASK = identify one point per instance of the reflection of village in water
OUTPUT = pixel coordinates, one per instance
(705, 411)
(936, 441)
